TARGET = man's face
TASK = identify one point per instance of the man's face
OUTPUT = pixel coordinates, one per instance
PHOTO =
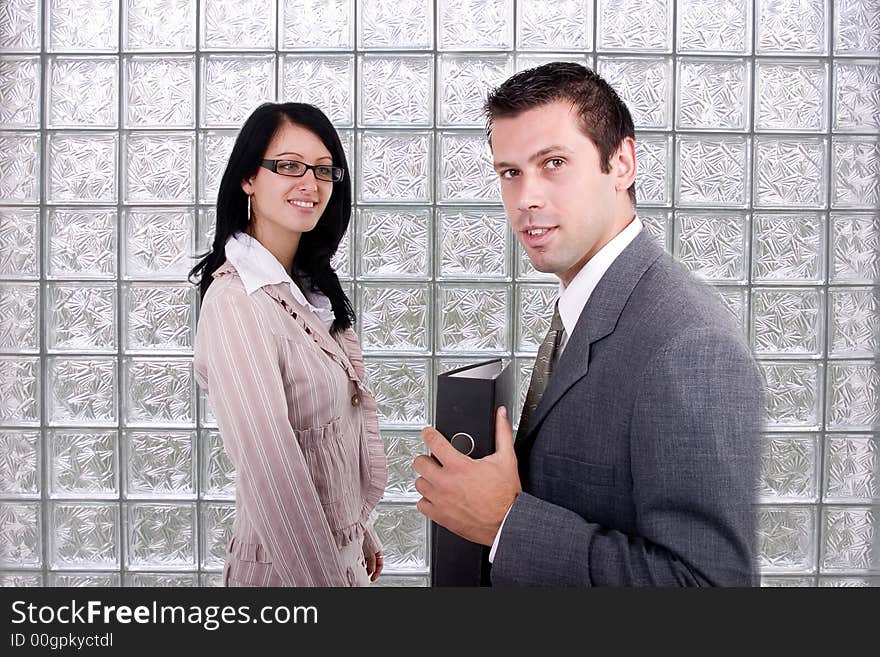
(561, 206)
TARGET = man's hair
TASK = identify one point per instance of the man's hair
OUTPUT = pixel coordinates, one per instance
(604, 117)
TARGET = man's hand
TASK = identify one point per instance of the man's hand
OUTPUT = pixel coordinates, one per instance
(469, 497)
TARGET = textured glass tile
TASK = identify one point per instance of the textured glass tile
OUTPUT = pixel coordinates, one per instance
(850, 539)
(857, 96)
(854, 322)
(159, 317)
(19, 168)
(714, 26)
(20, 463)
(395, 25)
(713, 94)
(84, 535)
(465, 169)
(215, 146)
(394, 242)
(19, 231)
(713, 171)
(237, 25)
(161, 536)
(215, 525)
(472, 243)
(20, 28)
(81, 391)
(854, 167)
(562, 25)
(159, 92)
(791, 96)
(341, 260)
(394, 318)
(787, 582)
(788, 248)
(534, 308)
(206, 413)
(160, 464)
(785, 26)
(20, 534)
(159, 167)
(735, 300)
(398, 581)
(161, 580)
(787, 321)
(463, 84)
(853, 395)
(159, 392)
(395, 90)
(641, 25)
(20, 92)
(788, 468)
(327, 82)
(82, 167)
(19, 390)
(474, 24)
(20, 579)
(218, 473)
(159, 24)
(213, 580)
(525, 271)
(394, 167)
(852, 468)
(83, 463)
(81, 243)
(233, 85)
(158, 243)
(316, 24)
(524, 368)
(645, 85)
(19, 317)
(78, 580)
(473, 319)
(855, 245)
(82, 92)
(855, 27)
(404, 535)
(82, 25)
(658, 225)
(81, 317)
(402, 389)
(654, 178)
(401, 449)
(713, 245)
(849, 582)
(206, 224)
(786, 539)
(793, 394)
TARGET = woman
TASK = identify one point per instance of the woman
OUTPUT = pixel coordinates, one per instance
(276, 355)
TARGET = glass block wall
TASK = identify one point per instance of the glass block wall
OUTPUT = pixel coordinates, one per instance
(758, 168)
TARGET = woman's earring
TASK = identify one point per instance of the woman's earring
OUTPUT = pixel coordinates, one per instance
(249, 209)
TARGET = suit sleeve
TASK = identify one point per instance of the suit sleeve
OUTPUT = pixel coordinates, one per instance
(693, 450)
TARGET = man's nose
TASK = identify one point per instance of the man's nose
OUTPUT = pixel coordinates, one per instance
(531, 194)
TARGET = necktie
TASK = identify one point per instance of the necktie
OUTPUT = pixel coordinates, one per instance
(541, 372)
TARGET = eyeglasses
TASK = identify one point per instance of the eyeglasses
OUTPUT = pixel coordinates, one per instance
(298, 169)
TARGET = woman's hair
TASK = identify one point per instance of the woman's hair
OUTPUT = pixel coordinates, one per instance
(317, 246)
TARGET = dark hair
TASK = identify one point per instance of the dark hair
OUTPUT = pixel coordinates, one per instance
(604, 117)
(317, 246)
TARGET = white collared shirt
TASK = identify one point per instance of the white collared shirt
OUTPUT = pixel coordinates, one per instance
(257, 267)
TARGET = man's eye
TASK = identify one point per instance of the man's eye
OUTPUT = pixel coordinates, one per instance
(509, 173)
(554, 163)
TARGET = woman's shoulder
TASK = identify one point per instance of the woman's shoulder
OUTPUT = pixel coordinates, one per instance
(227, 294)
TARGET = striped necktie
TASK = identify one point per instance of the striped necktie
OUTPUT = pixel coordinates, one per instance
(544, 362)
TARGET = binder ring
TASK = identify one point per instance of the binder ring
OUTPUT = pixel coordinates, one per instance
(463, 442)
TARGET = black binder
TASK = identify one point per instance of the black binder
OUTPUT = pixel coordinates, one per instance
(467, 400)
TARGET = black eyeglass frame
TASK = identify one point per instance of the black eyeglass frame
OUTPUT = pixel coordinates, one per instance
(272, 165)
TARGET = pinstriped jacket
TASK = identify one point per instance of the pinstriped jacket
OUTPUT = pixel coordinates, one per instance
(301, 428)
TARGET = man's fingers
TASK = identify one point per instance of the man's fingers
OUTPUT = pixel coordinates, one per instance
(503, 432)
(441, 448)
(424, 487)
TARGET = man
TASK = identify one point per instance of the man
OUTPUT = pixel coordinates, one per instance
(636, 457)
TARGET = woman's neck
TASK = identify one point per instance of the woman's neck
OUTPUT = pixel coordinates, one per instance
(279, 242)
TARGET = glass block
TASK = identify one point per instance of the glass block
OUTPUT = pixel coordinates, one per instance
(227, 80)
(645, 85)
(159, 92)
(215, 146)
(719, 27)
(82, 391)
(854, 323)
(20, 459)
(160, 535)
(20, 30)
(850, 539)
(215, 525)
(159, 317)
(159, 167)
(640, 25)
(19, 390)
(794, 394)
(787, 26)
(214, 580)
(787, 582)
(654, 179)
(531, 60)
(525, 271)
(394, 318)
(161, 580)
(855, 28)
(160, 464)
(712, 170)
(473, 243)
(206, 413)
(788, 248)
(79, 580)
(20, 91)
(713, 245)
(218, 472)
(465, 169)
(852, 468)
(83, 463)
(534, 308)
(394, 167)
(658, 225)
(402, 581)
(206, 225)
(787, 321)
(84, 535)
(20, 534)
(237, 25)
(402, 449)
(395, 90)
(713, 94)
(159, 25)
(158, 243)
(81, 243)
(854, 166)
(19, 235)
(159, 392)
(341, 260)
(474, 24)
(82, 167)
(735, 299)
(316, 24)
(857, 96)
(395, 25)
(786, 539)
(19, 168)
(791, 96)
(404, 535)
(789, 468)
(394, 242)
(402, 389)
(563, 25)
(20, 579)
(463, 84)
(324, 81)
(849, 582)
(524, 368)
(82, 92)
(82, 25)
(855, 245)
(81, 317)
(19, 317)
(853, 396)
(473, 319)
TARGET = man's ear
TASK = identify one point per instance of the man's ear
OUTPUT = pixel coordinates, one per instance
(624, 164)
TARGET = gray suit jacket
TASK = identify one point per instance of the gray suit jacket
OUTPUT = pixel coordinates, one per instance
(640, 465)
